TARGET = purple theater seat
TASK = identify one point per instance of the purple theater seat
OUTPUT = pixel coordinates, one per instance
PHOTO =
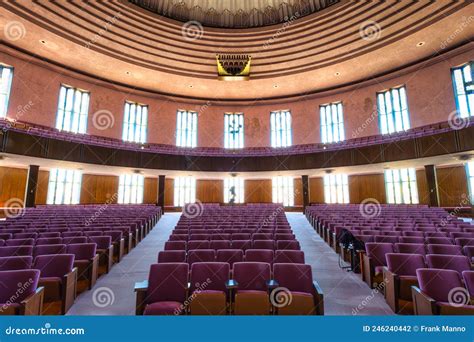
(293, 245)
(15, 263)
(386, 238)
(469, 252)
(400, 276)
(48, 235)
(440, 292)
(6, 236)
(93, 233)
(25, 235)
(241, 244)
(198, 244)
(166, 291)
(251, 297)
(48, 241)
(444, 249)
(260, 255)
(175, 245)
(16, 251)
(438, 241)
(464, 241)
(241, 236)
(59, 277)
(411, 239)
(297, 280)
(263, 244)
(201, 255)
(261, 236)
(194, 237)
(449, 262)
(49, 249)
(171, 256)
(86, 260)
(105, 250)
(208, 288)
(230, 256)
(220, 237)
(289, 256)
(71, 234)
(374, 261)
(20, 242)
(220, 244)
(468, 277)
(284, 236)
(28, 301)
(178, 237)
(410, 248)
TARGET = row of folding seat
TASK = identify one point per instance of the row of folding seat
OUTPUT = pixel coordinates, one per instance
(234, 244)
(232, 255)
(253, 289)
(234, 236)
(413, 239)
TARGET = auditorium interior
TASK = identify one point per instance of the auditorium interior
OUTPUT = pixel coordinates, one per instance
(219, 157)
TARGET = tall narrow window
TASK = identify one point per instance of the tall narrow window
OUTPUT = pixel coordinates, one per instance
(135, 122)
(233, 130)
(64, 186)
(6, 76)
(470, 179)
(464, 89)
(283, 190)
(186, 129)
(234, 190)
(280, 126)
(130, 189)
(401, 186)
(336, 188)
(332, 123)
(184, 190)
(393, 110)
(73, 107)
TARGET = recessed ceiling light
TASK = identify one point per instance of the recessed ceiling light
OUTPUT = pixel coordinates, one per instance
(275, 86)
(190, 86)
(420, 44)
(127, 72)
(42, 41)
(337, 74)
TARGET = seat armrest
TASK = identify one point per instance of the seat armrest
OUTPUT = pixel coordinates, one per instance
(423, 304)
(318, 299)
(272, 284)
(231, 284)
(69, 290)
(141, 289)
(34, 303)
(141, 286)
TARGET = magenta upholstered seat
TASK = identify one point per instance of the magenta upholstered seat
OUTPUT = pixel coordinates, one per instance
(261, 236)
(220, 236)
(468, 277)
(16, 251)
(241, 236)
(54, 266)
(20, 242)
(463, 241)
(201, 255)
(10, 281)
(438, 241)
(220, 244)
(411, 248)
(194, 237)
(288, 245)
(102, 242)
(376, 251)
(386, 238)
(82, 251)
(6, 236)
(404, 264)
(198, 244)
(71, 234)
(171, 256)
(74, 239)
(241, 244)
(49, 235)
(25, 235)
(230, 256)
(175, 245)
(444, 249)
(284, 236)
(449, 262)
(411, 239)
(178, 237)
(251, 295)
(93, 233)
(167, 288)
(263, 244)
(15, 263)
(49, 249)
(259, 255)
(469, 252)
(298, 280)
(289, 256)
(48, 241)
(208, 288)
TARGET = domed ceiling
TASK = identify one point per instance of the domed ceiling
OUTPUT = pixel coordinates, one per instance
(234, 13)
(343, 44)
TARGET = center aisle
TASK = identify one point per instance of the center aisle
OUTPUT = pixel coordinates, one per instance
(344, 292)
(113, 293)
